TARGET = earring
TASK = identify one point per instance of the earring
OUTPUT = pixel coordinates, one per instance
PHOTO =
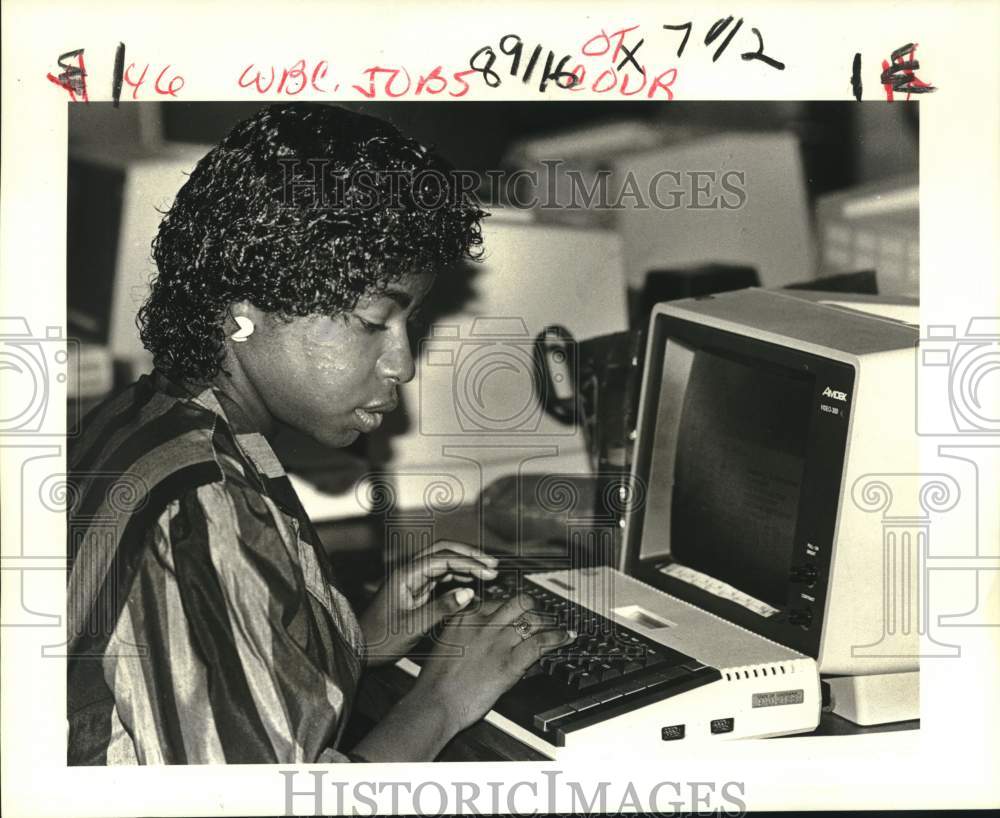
(245, 330)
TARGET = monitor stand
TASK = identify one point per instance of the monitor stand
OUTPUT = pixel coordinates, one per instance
(876, 699)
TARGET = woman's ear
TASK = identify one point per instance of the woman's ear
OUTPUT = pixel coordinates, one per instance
(244, 318)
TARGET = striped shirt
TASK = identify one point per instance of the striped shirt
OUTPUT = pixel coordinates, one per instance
(204, 623)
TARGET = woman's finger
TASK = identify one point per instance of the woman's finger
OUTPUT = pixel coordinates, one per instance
(458, 548)
(435, 566)
(488, 607)
(447, 605)
(523, 627)
(538, 644)
(516, 606)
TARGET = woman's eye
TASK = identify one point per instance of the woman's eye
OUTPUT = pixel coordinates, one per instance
(371, 326)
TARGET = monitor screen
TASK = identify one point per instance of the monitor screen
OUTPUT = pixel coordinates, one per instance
(729, 453)
(726, 473)
(740, 446)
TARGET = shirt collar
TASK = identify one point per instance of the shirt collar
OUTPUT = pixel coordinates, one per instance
(251, 442)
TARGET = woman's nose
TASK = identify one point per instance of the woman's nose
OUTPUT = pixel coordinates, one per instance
(397, 362)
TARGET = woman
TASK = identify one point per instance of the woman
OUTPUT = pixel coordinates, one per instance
(205, 624)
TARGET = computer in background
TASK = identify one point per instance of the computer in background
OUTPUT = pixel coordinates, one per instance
(748, 563)
(116, 202)
(873, 227)
(732, 198)
(112, 216)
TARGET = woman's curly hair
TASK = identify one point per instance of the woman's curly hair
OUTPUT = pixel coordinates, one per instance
(300, 210)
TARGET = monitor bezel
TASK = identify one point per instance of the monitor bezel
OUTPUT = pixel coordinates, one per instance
(822, 487)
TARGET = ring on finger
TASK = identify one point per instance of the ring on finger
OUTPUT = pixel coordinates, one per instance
(522, 627)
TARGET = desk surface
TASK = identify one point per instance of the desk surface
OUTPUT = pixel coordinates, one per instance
(358, 548)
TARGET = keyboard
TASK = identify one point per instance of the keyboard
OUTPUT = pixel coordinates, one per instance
(608, 670)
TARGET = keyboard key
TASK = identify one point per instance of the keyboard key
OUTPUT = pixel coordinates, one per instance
(535, 670)
(603, 652)
(608, 671)
(584, 703)
(549, 664)
(653, 657)
(664, 676)
(630, 686)
(610, 695)
(665, 655)
(569, 672)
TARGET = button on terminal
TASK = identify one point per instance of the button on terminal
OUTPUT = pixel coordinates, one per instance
(719, 726)
(672, 732)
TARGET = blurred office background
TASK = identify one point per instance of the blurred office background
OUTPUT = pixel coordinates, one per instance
(830, 203)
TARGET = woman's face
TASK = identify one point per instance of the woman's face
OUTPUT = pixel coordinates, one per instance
(334, 377)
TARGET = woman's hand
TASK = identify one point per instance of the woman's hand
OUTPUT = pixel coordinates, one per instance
(403, 610)
(480, 654)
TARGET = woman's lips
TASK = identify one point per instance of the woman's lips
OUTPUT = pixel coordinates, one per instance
(369, 421)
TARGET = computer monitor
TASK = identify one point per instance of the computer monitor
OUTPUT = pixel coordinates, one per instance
(116, 203)
(873, 227)
(764, 420)
(701, 222)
